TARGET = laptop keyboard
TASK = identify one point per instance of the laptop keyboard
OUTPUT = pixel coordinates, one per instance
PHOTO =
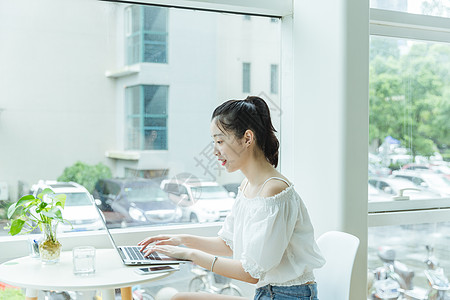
(134, 253)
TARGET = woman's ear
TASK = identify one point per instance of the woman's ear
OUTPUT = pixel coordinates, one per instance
(249, 137)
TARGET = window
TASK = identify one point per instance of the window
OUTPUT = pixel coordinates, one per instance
(246, 77)
(409, 113)
(274, 79)
(438, 8)
(409, 190)
(155, 117)
(147, 117)
(146, 34)
(112, 118)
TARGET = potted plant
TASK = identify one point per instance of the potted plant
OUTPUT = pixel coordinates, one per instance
(45, 212)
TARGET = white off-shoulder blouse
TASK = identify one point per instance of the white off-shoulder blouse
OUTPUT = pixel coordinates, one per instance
(273, 238)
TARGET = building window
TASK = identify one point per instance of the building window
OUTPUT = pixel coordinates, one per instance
(146, 34)
(146, 117)
(246, 77)
(274, 79)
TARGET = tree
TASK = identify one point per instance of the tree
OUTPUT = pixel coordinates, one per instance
(409, 94)
(86, 175)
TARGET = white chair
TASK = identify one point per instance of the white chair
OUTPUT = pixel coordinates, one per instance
(333, 279)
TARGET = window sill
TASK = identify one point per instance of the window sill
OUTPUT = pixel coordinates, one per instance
(13, 247)
(123, 155)
(124, 71)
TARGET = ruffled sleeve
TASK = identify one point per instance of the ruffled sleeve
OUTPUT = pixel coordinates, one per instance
(227, 230)
(268, 234)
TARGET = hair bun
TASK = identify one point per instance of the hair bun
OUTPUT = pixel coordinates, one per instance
(251, 113)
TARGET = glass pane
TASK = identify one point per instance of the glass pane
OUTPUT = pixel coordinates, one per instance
(408, 257)
(133, 133)
(135, 18)
(155, 53)
(438, 8)
(155, 139)
(155, 38)
(409, 119)
(155, 122)
(165, 108)
(155, 18)
(133, 100)
(133, 49)
(155, 99)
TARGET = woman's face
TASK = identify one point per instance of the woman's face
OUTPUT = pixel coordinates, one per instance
(230, 151)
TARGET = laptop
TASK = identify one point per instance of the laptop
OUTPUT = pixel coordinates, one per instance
(132, 256)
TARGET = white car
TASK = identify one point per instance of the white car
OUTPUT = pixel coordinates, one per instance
(201, 201)
(79, 208)
(434, 182)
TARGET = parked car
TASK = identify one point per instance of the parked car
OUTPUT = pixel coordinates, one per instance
(79, 208)
(378, 170)
(375, 194)
(133, 202)
(393, 187)
(232, 188)
(442, 169)
(201, 201)
(430, 180)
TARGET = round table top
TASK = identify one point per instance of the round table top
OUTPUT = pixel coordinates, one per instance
(27, 272)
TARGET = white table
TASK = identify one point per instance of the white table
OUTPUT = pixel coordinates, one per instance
(30, 273)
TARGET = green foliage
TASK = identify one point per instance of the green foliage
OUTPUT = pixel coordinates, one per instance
(86, 175)
(35, 211)
(409, 94)
(11, 294)
(395, 166)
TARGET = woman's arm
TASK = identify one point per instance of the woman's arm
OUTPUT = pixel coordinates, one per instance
(227, 267)
(212, 245)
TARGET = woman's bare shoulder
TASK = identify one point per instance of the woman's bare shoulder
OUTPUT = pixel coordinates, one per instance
(274, 187)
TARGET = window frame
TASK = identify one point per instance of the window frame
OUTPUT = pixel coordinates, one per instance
(129, 35)
(142, 116)
(274, 79)
(408, 26)
(246, 77)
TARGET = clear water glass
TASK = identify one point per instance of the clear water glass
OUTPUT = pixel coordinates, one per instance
(83, 260)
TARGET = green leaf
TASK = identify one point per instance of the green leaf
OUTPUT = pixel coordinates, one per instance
(16, 226)
(49, 214)
(53, 213)
(60, 200)
(42, 206)
(11, 210)
(45, 192)
(25, 199)
(57, 211)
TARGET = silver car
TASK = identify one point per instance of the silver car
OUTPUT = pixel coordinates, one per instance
(396, 187)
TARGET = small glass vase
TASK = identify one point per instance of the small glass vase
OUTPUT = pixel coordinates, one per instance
(49, 247)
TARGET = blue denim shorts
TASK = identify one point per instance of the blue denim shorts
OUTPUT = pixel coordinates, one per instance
(297, 292)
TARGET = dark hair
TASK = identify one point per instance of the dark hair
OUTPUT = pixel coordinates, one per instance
(237, 116)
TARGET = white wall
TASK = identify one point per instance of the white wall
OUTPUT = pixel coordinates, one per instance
(330, 119)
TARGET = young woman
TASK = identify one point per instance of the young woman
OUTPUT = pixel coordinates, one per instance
(268, 232)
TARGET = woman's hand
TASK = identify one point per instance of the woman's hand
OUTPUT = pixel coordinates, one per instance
(172, 251)
(174, 240)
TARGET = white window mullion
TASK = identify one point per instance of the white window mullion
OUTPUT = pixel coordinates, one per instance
(409, 26)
